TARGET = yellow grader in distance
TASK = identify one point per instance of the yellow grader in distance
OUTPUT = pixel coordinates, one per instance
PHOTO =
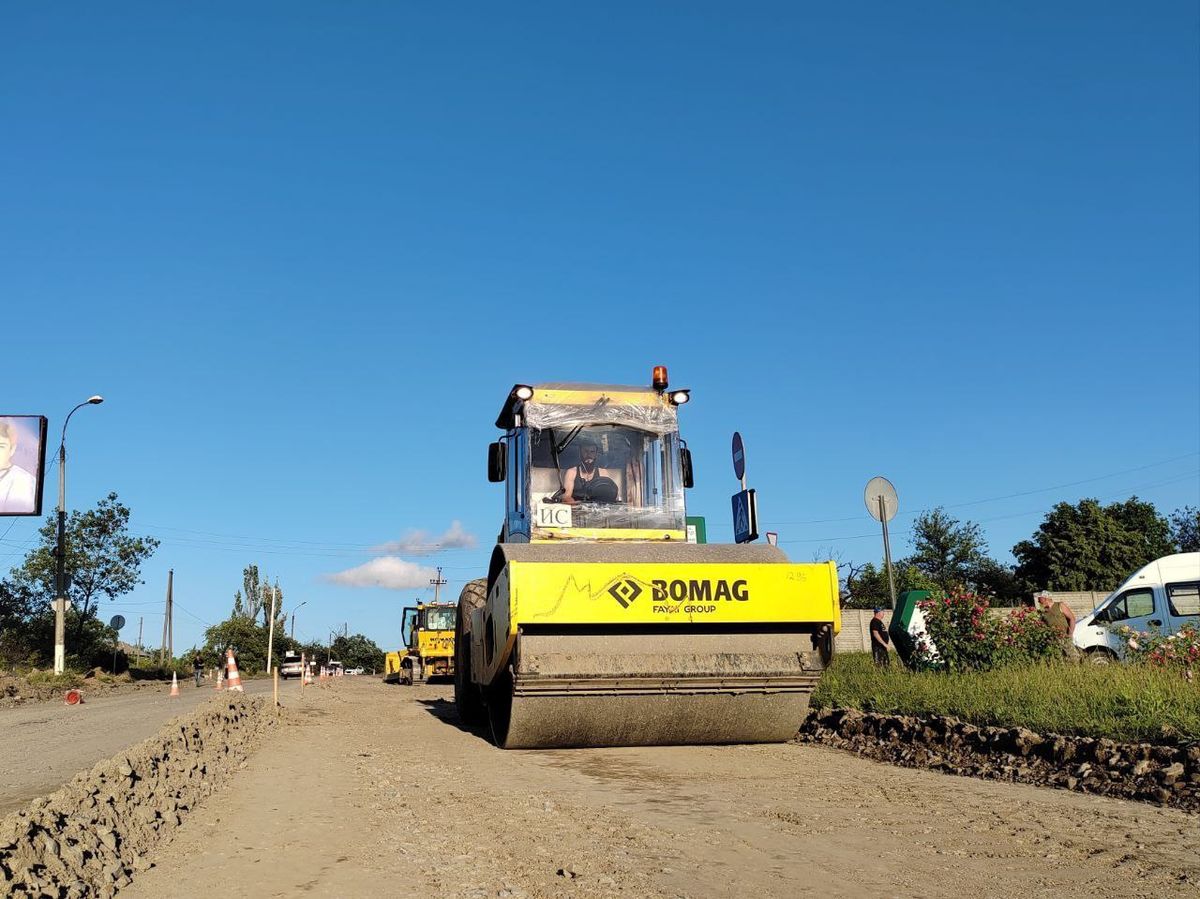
(597, 623)
(428, 629)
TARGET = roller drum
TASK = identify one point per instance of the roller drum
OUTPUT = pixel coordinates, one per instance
(581, 688)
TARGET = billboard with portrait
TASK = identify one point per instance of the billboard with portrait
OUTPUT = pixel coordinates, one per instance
(22, 464)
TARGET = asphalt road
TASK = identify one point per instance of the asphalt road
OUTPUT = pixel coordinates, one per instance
(43, 745)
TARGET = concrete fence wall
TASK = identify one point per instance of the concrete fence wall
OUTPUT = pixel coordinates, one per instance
(856, 635)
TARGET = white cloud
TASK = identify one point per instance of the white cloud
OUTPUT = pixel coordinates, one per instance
(389, 572)
(420, 543)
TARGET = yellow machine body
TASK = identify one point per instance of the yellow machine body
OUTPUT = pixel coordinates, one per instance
(391, 667)
(429, 632)
(597, 623)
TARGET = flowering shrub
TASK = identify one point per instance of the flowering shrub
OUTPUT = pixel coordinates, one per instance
(963, 635)
(1180, 651)
(1025, 635)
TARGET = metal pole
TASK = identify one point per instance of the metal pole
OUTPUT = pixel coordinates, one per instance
(162, 652)
(887, 551)
(271, 632)
(293, 631)
(60, 548)
(139, 646)
(171, 614)
(60, 570)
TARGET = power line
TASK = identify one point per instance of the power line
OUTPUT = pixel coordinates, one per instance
(993, 499)
(1041, 511)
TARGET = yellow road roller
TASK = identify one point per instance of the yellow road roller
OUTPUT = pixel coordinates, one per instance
(598, 624)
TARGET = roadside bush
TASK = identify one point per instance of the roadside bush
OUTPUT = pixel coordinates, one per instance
(1178, 652)
(961, 631)
(966, 636)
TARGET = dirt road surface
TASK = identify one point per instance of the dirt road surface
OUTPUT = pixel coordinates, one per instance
(375, 790)
(43, 745)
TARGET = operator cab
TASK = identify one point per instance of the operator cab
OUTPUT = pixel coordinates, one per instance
(425, 618)
(589, 462)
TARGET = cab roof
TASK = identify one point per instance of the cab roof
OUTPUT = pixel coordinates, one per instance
(653, 403)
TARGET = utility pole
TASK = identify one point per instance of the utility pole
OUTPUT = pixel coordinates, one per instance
(139, 645)
(437, 582)
(271, 632)
(168, 637)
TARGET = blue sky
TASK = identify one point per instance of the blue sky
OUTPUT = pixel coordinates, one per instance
(305, 249)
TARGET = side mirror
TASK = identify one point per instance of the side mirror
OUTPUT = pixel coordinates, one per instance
(685, 463)
(497, 462)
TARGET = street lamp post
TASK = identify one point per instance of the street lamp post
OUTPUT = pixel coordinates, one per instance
(60, 551)
(294, 611)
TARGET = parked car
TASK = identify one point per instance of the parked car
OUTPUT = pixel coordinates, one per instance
(290, 667)
(1162, 596)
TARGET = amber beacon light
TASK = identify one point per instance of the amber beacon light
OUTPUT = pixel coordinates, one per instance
(659, 379)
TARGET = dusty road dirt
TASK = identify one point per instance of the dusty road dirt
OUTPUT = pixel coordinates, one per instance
(43, 745)
(375, 790)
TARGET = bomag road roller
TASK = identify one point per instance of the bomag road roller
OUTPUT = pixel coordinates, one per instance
(598, 624)
(428, 630)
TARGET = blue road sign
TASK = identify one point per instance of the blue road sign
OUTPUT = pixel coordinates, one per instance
(745, 517)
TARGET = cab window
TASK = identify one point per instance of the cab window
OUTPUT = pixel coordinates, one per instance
(1184, 599)
(1133, 604)
(439, 619)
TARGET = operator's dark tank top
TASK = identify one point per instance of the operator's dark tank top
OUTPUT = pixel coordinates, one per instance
(599, 489)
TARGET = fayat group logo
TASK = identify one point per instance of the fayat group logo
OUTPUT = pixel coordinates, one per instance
(625, 591)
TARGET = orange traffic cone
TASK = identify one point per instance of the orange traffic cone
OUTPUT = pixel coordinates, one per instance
(73, 697)
(174, 684)
(235, 679)
(220, 680)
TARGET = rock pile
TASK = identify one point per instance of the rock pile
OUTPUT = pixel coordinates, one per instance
(91, 836)
(1163, 774)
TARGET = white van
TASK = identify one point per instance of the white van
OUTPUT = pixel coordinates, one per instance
(1161, 597)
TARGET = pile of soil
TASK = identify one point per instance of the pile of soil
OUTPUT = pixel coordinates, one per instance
(1162, 774)
(88, 838)
(17, 690)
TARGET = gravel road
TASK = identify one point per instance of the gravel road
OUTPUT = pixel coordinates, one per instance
(43, 745)
(375, 790)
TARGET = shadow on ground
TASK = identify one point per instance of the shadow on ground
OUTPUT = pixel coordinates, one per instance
(444, 710)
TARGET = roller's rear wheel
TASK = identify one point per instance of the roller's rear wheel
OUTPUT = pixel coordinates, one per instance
(499, 708)
(466, 694)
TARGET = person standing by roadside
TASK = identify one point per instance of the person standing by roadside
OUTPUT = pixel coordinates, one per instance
(1061, 619)
(879, 640)
(197, 667)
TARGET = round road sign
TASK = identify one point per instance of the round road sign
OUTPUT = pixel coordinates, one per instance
(739, 457)
(877, 489)
(118, 622)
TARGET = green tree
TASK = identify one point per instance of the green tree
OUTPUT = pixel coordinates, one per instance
(16, 610)
(1091, 547)
(867, 587)
(999, 583)
(247, 638)
(1185, 529)
(358, 652)
(102, 559)
(950, 552)
(1150, 532)
(252, 589)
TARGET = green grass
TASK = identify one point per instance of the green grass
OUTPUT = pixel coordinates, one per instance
(66, 681)
(1122, 702)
